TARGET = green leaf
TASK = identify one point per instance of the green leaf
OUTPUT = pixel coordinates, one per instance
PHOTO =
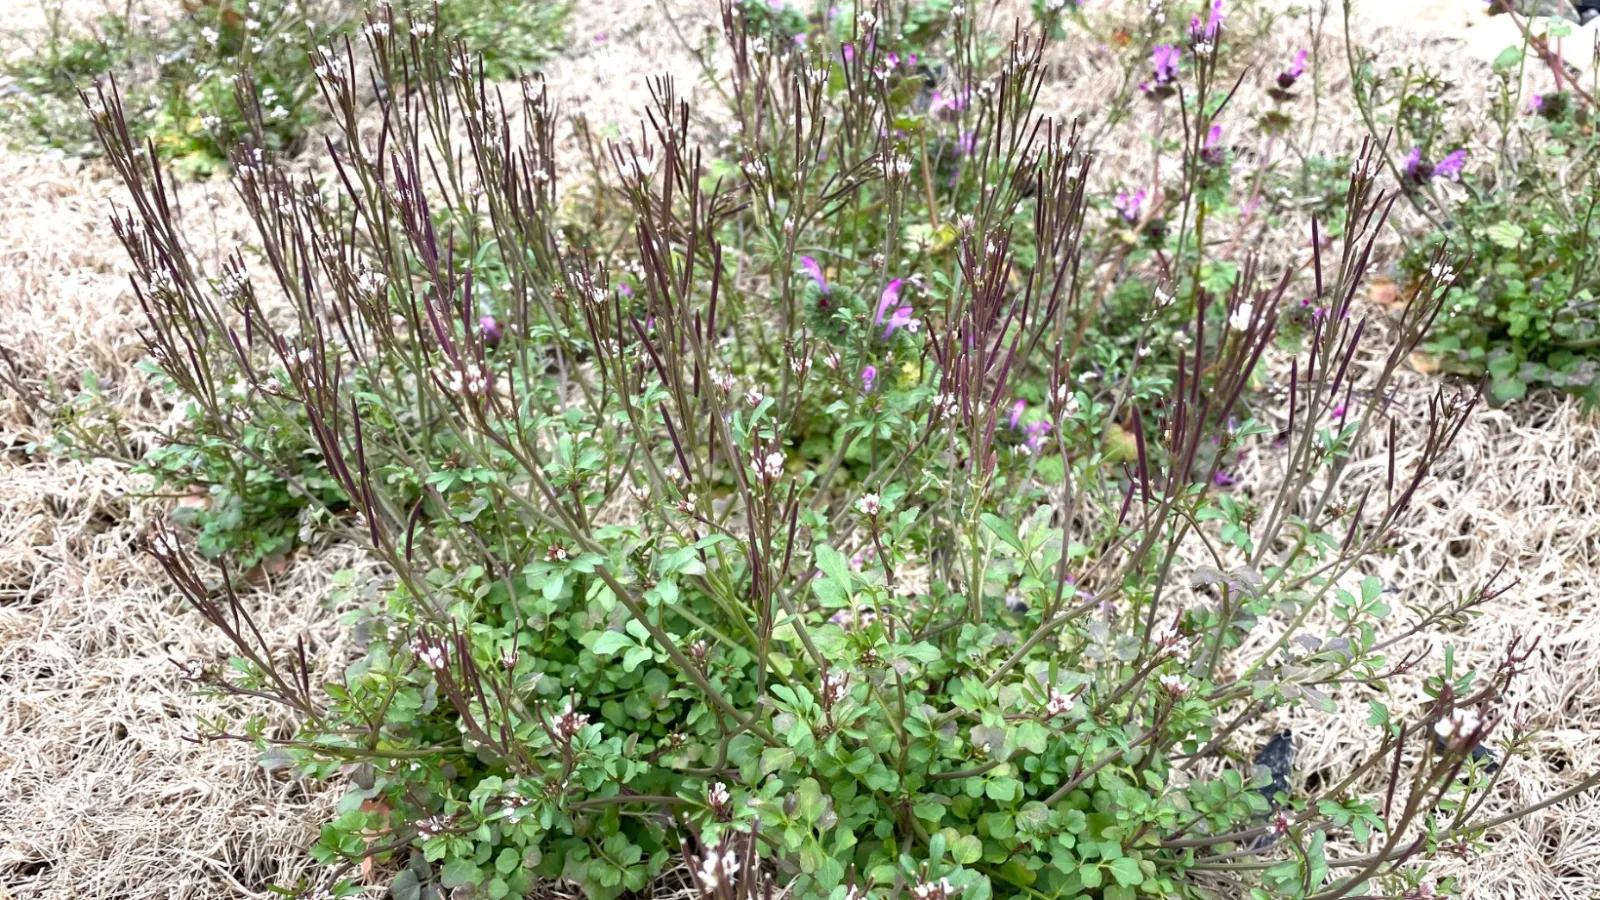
(1003, 530)
(967, 850)
(458, 872)
(1509, 58)
(1505, 234)
(635, 657)
(1126, 871)
(1089, 874)
(609, 643)
(775, 758)
(833, 564)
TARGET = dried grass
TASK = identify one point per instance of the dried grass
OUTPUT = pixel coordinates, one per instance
(100, 798)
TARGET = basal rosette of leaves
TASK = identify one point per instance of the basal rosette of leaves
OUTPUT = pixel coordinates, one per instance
(766, 510)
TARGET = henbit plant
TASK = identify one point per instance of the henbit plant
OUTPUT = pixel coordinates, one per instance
(1523, 309)
(178, 74)
(724, 526)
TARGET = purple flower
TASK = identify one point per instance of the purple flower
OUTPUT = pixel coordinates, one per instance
(1212, 153)
(901, 318)
(1165, 60)
(1016, 413)
(815, 271)
(1223, 479)
(849, 51)
(1036, 432)
(947, 107)
(1449, 168)
(1129, 204)
(490, 329)
(1214, 21)
(1536, 103)
(891, 296)
(1289, 76)
(966, 143)
(624, 290)
(869, 377)
(1417, 170)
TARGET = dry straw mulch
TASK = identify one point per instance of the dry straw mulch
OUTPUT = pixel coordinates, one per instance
(100, 797)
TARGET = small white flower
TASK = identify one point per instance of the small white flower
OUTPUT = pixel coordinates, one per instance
(568, 723)
(210, 35)
(1070, 407)
(1057, 703)
(1169, 641)
(754, 397)
(771, 468)
(430, 655)
(717, 869)
(1442, 273)
(1240, 319)
(869, 505)
(1175, 685)
(935, 890)
(1459, 727)
(835, 685)
(897, 167)
(422, 30)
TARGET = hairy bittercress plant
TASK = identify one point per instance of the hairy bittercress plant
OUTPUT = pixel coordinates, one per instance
(779, 520)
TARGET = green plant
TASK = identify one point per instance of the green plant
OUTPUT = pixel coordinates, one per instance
(180, 76)
(1522, 308)
(779, 512)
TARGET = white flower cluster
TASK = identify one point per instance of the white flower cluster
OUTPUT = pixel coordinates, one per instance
(717, 869)
(897, 167)
(434, 825)
(869, 505)
(835, 685)
(1175, 685)
(771, 467)
(469, 379)
(1239, 320)
(1068, 400)
(568, 723)
(1459, 728)
(718, 798)
(1057, 703)
(935, 890)
(1170, 642)
(430, 655)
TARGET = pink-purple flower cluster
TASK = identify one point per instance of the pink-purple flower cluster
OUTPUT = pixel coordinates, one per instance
(898, 316)
(1128, 205)
(1289, 76)
(1033, 433)
(1419, 171)
(1164, 60)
